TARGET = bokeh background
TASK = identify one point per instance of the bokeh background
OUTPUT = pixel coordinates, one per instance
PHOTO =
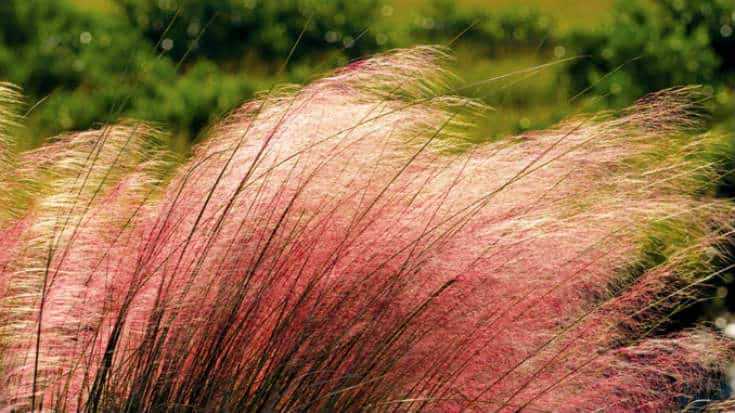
(183, 64)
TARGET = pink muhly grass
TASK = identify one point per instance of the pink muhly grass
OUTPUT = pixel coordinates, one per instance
(339, 247)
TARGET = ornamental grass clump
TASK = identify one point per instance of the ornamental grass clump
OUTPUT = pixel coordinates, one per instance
(341, 246)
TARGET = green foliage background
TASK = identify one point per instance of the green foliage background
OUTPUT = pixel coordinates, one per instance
(185, 63)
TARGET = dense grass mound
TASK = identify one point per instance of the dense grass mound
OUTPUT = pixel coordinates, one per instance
(342, 247)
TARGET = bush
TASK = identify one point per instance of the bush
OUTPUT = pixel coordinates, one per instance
(654, 46)
(50, 46)
(90, 69)
(225, 30)
(193, 100)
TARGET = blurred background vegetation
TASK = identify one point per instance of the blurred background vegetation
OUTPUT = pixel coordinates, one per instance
(183, 64)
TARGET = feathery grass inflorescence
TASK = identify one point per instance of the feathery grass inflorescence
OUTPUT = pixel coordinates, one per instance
(9, 102)
(341, 247)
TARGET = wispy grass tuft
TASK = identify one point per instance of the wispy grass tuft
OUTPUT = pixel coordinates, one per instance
(341, 246)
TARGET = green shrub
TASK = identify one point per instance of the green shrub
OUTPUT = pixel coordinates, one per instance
(225, 30)
(190, 102)
(53, 46)
(655, 45)
(89, 69)
(83, 65)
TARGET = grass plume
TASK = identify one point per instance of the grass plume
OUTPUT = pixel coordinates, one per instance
(340, 246)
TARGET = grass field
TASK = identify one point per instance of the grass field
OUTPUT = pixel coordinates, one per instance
(535, 98)
(567, 14)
